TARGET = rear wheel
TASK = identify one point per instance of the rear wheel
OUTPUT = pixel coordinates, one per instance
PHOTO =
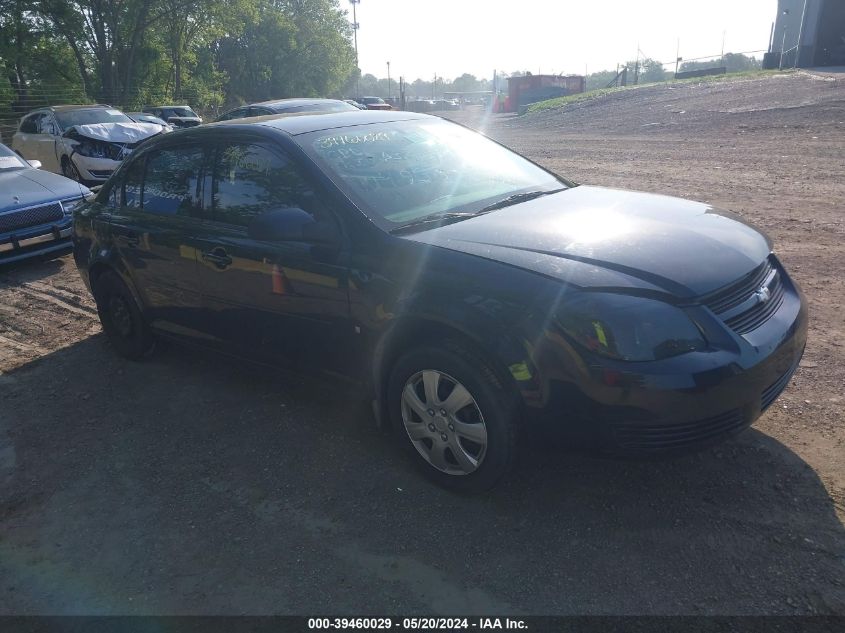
(122, 321)
(453, 416)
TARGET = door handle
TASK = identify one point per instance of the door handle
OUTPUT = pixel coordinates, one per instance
(218, 257)
(130, 239)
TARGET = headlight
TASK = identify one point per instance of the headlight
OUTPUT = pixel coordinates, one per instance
(92, 149)
(628, 328)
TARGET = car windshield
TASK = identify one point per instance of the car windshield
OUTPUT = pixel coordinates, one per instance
(400, 172)
(9, 160)
(370, 100)
(144, 117)
(184, 112)
(89, 116)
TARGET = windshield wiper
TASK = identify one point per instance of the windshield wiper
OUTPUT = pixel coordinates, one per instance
(456, 216)
(516, 199)
(434, 218)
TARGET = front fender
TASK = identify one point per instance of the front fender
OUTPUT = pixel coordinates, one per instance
(93, 250)
(472, 319)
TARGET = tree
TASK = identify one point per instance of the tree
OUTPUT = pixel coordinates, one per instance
(650, 71)
(465, 83)
(290, 48)
(600, 79)
(36, 65)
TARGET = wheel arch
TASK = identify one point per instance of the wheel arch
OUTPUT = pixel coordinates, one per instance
(104, 265)
(502, 354)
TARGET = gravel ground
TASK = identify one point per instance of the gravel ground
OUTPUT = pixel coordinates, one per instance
(191, 484)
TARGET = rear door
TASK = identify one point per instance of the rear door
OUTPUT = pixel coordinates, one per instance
(288, 299)
(155, 231)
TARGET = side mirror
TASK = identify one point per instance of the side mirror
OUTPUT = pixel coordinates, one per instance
(291, 224)
(35, 164)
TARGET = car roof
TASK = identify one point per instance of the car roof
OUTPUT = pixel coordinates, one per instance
(304, 122)
(293, 102)
(67, 108)
(170, 106)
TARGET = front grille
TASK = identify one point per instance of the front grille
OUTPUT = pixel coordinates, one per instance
(33, 216)
(771, 393)
(667, 437)
(119, 151)
(748, 303)
(101, 173)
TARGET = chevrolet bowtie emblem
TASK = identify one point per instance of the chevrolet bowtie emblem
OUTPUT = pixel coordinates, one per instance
(763, 294)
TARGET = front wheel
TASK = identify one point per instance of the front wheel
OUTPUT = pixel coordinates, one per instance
(454, 416)
(122, 321)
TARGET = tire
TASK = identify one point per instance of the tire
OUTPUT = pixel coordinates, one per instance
(467, 441)
(122, 321)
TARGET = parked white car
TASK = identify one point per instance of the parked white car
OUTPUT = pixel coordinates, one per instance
(85, 143)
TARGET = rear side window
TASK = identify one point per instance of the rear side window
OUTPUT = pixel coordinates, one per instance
(172, 180)
(250, 180)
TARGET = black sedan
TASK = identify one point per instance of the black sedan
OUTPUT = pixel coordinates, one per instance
(35, 208)
(471, 293)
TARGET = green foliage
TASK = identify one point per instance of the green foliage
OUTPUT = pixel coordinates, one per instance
(650, 71)
(207, 53)
(600, 79)
(733, 62)
(559, 102)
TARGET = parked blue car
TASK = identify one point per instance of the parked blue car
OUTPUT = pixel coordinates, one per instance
(36, 208)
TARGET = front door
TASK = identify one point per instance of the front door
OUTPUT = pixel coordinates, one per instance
(288, 299)
(47, 144)
(155, 230)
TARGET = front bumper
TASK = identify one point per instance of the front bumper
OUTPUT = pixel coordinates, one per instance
(96, 170)
(679, 404)
(35, 241)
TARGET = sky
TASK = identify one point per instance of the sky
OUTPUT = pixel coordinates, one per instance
(450, 37)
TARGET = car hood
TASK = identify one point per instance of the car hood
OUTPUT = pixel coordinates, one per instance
(33, 186)
(116, 132)
(597, 237)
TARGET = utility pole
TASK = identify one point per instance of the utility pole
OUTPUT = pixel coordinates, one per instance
(783, 40)
(637, 66)
(434, 87)
(355, 27)
(800, 33)
(388, 80)
(722, 58)
(677, 56)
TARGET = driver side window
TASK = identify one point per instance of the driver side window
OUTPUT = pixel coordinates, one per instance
(46, 125)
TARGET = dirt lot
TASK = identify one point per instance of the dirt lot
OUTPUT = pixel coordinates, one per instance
(192, 484)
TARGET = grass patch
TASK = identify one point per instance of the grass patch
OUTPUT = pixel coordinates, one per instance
(559, 102)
